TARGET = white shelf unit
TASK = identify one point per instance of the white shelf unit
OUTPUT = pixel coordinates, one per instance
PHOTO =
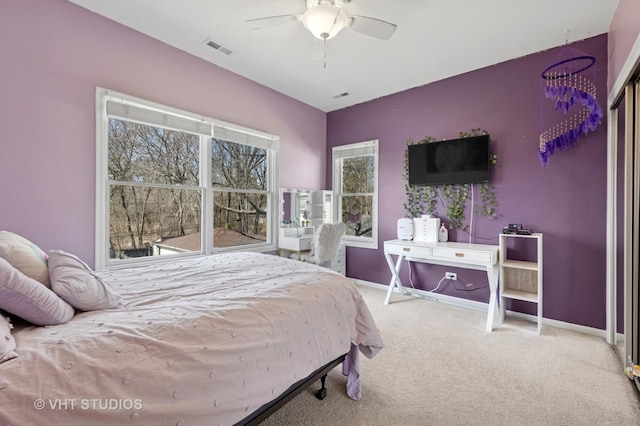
(521, 280)
(318, 207)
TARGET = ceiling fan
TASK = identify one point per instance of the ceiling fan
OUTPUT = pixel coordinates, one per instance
(326, 18)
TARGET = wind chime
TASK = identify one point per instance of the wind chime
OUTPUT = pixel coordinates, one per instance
(569, 82)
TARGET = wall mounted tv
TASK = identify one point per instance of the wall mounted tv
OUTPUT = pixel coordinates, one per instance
(449, 162)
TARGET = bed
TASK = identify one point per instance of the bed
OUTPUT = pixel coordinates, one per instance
(215, 340)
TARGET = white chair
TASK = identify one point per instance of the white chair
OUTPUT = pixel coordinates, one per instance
(325, 244)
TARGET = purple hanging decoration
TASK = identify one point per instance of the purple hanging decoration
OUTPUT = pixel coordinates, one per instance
(568, 86)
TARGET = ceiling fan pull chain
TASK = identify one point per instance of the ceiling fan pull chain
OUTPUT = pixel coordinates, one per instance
(324, 48)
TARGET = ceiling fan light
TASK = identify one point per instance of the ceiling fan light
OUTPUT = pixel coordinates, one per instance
(324, 21)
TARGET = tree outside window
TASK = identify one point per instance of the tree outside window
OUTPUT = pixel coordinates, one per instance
(154, 191)
(355, 183)
(167, 187)
(239, 178)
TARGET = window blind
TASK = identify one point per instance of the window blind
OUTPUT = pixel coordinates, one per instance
(355, 150)
(131, 112)
(238, 135)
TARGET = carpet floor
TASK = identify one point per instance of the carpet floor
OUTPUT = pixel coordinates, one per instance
(440, 367)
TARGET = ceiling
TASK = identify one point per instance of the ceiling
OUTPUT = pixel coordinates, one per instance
(434, 40)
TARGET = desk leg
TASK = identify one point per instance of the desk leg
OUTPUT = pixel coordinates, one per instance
(395, 279)
(492, 275)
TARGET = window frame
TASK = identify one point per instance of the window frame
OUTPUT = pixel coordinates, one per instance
(339, 153)
(207, 129)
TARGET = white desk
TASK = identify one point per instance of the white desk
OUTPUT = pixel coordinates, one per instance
(460, 255)
(295, 240)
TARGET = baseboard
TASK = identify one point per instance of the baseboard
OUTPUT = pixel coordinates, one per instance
(484, 307)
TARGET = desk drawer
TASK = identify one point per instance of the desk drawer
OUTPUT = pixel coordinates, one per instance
(305, 244)
(467, 256)
(295, 243)
(408, 250)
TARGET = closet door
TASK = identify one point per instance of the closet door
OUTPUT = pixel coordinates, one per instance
(623, 213)
(632, 223)
(633, 133)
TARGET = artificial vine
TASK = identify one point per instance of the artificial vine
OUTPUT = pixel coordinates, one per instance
(455, 197)
(422, 199)
(488, 203)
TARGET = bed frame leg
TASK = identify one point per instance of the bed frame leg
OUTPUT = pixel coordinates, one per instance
(322, 392)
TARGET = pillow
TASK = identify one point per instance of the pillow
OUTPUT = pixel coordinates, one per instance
(25, 256)
(7, 341)
(77, 284)
(30, 300)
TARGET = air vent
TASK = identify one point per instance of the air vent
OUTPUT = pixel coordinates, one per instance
(341, 95)
(218, 47)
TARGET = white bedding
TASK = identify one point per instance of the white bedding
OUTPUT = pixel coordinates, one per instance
(203, 341)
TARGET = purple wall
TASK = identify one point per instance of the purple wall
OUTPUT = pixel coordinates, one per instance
(623, 33)
(53, 54)
(566, 201)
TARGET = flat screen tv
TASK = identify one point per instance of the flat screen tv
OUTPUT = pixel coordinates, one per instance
(455, 161)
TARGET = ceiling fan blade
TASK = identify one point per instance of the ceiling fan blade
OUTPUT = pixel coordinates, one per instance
(372, 27)
(272, 21)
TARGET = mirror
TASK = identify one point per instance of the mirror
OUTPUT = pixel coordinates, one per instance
(286, 208)
(294, 207)
(304, 208)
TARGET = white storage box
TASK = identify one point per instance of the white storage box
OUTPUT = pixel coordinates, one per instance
(426, 229)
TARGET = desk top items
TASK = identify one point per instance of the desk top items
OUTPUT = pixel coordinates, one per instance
(405, 229)
(516, 228)
(443, 234)
(426, 228)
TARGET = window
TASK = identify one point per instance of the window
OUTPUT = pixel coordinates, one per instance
(240, 182)
(173, 183)
(355, 183)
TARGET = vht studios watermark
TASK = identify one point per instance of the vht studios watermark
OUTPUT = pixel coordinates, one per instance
(87, 404)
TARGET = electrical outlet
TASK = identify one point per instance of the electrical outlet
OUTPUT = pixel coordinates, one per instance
(451, 276)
